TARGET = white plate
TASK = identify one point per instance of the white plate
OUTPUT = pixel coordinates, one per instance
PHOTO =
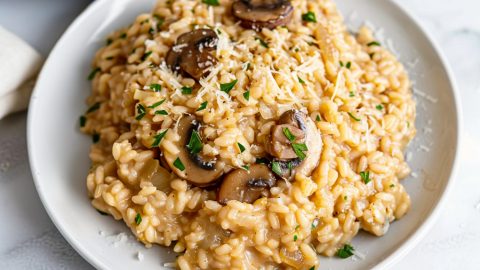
(59, 152)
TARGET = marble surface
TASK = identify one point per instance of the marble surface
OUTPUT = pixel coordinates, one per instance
(29, 240)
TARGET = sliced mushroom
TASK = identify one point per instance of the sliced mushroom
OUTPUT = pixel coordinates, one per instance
(279, 146)
(197, 170)
(246, 186)
(192, 53)
(258, 14)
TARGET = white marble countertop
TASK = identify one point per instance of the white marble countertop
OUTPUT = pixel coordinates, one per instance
(29, 240)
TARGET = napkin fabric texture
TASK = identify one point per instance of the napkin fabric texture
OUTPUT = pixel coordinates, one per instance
(19, 66)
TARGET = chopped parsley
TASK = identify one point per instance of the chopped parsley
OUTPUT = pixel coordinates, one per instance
(138, 219)
(178, 164)
(351, 94)
(312, 268)
(94, 107)
(301, 81)
(161, 112)
(151, 31)
(186, 90)
(345, 252)
(309, 17)
(345, 197)
(365, 176)
(246, 167)
(348, 65)
(202, 106)
(211, 2)
(123, 35)
(261, 160)
(227, 87)
(140, 112)
(195, 144)
(158, 138)
(109, 41)
(160, 21)
(379, 107)
(374, 43)
(276, 168)
(353, 117)
(262, 42)
(95, 137)
(341, 63)
(318, 119)
(295, 237)
(290, 166)
(154, 105)
(392, 185)
(246, 95)
(146, 55)
(288, 134)
(93, 73)
(109, 58)
(83, 120)
(299, 149)
(155, 87)
(246, 67)
(241, 147)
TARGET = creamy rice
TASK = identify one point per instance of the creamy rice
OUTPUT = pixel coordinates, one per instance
(353, 89)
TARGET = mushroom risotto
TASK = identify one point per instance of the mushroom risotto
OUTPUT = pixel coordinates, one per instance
(248, 134)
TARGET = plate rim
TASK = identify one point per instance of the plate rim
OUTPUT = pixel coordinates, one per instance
(387, 262)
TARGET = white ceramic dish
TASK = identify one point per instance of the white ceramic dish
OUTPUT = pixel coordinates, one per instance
(59, 152)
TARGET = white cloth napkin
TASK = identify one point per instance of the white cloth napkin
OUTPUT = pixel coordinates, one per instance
(19, 65)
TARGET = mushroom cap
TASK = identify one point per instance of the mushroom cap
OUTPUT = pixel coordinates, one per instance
(246, 186)
(191, 54)
(257, 14)
(197, 171)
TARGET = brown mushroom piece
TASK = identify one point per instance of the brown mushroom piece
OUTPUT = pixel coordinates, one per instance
(192, 53)
(305, 132)
(258, 14)
(246, 185)
(192, 166)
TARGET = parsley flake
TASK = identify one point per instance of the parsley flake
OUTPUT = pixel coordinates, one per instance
(94, 107)
(261, 160)
(95, 137)
(353, 117)
(178, 164)
(156, 104)
(123, 35)
(276, 168)
(93, 73)
(202, 106)
(301, 81)
(345, 252)
(309, 17)
(146, 55)
(312, 268)
(288, 134)
(295, 237)
(318, 119)
(348, 65)
(365, 176)
(83, 121)
(246, 95)
(211, 2)
(374, 43)
(109, 41)
(186, 90)
(241, 147)
(246, 167)
(299, 149)
(158, 138)
(227, 87)
(155, 87)
(140, 112)
(379, 107)
(138, 219)
(351, 94)
(161, 112)
(262, 42)
(195, 144)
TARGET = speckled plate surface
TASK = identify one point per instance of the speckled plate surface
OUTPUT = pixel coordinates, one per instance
(59, 152)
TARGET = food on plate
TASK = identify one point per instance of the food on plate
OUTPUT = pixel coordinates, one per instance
(248, 134)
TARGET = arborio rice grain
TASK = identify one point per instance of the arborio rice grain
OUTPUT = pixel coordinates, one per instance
(355, 90)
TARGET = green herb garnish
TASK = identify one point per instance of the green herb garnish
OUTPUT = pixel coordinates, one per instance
(353, 117)
(365, 176)
(141, 112)
(276, 168)
(351, 94)
(288, 134)
(309, 17)
(211, 2)
(156, 104)
(138, 219)
(155, 87)
(392, 185)
(262, 42)
(227, 87)
(246, 167)
(295, 237)
(158, 138)
(341, 63)
(241, 147)
(301, 81)
(178, 164)
(318, 119)
(186, 90)
(246, 95)
(299, 149)
(123, 35)
(312, 268)
(83, 121)
(94, 107)
(202, 106)
(374, 43)
(379, 107)
(345, 252)
(348, 65)
(109, 58)
(109, 41)
(146, 55)
(93, 73)
(195, 144)
(261, 160)
(95, 137)
(161, 112)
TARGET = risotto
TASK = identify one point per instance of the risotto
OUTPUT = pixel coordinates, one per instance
(248, 134)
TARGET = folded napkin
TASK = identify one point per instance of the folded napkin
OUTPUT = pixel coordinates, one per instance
(19, 65)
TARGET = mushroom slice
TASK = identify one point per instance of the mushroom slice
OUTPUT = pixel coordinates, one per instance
(188, 165)
(246, 186)
(192, 53)
(303, 132)
(258, 14)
